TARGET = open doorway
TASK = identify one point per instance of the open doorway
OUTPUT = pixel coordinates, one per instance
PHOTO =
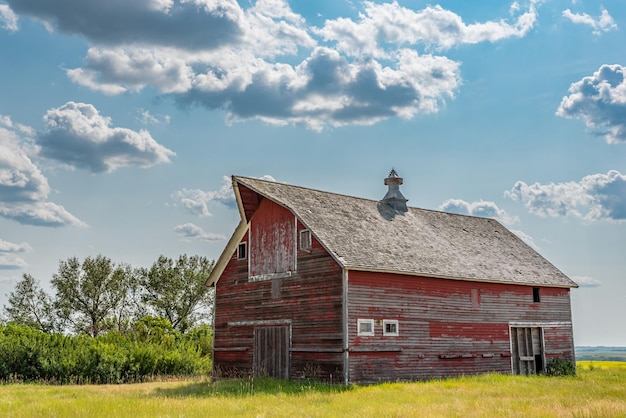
(527, 350)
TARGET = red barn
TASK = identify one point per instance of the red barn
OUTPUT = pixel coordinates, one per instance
(318, 284)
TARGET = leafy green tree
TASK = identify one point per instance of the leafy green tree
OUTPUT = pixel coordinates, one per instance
(89, 293)
(176, 290)
(30, 305)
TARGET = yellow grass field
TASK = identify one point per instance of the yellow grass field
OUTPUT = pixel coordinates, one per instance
(599, 390)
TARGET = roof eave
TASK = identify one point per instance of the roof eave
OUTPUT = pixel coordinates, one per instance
(465, 279)
(224, 258)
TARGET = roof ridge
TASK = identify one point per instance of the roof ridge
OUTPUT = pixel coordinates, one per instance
(359, 198)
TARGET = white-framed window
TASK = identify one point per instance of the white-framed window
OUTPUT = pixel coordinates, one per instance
(390, 327)
(365, 327)
(242, 251)
(305, 239)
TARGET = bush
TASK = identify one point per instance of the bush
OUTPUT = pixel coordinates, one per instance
(156, 349)
(560, 367)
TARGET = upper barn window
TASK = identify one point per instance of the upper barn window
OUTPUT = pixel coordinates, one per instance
(536, 294)
(242, 252)
(305, 239)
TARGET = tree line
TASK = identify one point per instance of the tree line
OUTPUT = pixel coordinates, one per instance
(96, 295)
(109, 323)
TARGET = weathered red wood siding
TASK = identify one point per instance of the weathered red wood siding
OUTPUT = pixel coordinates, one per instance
(272, 241)
(310, 300)
(446, 327)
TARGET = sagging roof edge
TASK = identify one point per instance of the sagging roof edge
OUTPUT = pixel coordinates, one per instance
(222, 262)
(464, 279)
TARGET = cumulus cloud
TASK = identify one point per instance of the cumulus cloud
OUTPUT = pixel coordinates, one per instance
(264, 62)
(186, 24)
(77, 135)
(117, 70)
(584, 281)
(196, 201)
(8, 19)
(603, 23)
(389, 23)
(480, 208)
(600, 101)
(596, 197)
(9, 260)
(191, 231)
(24, 189)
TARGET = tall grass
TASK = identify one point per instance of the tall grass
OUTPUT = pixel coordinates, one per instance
(598, 391)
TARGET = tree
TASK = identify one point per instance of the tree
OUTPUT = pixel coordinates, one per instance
(88, 294)
(30, 305)
(176, 290)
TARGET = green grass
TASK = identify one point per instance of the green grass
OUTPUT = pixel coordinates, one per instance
(599, 390)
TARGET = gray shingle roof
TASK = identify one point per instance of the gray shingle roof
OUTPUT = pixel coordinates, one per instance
(364, 234)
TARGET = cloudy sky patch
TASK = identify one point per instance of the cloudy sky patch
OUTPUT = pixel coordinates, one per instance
(190, 231)
(78, 136)
(480, 208)
(596, 197)
(602, 23)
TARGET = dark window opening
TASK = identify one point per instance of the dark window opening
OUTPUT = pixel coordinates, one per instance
(536, 295)
(241, 251)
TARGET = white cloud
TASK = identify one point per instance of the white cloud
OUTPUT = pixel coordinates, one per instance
(8, 258)
(584, 281)
(197, 201)
(390, 23)
(480, 208)
(11, 247)
(264, 62)
(78, 136)
(24, 189)
(117, 70)
(146, 118)
(8, 19)
(11, 262)
(600, 101)
(596, 197)
(603, 23)
(192, 231)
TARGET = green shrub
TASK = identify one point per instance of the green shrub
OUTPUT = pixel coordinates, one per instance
(560, 367)
(154, 349)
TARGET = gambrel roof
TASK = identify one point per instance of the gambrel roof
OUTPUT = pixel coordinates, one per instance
(363, 234)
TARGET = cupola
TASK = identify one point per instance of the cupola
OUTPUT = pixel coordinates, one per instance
(394, 197)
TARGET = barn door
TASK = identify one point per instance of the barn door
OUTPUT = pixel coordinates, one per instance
(271, 351)
(527, 350)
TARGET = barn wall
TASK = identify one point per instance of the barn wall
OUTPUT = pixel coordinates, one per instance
(272, 243)
(446, 327)
(309, 300)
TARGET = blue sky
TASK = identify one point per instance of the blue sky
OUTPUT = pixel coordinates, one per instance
(120, 120)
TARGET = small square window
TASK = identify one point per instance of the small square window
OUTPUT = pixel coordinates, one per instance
(536, 294)
(242, 252)
(390, 327)
(365, 327)
(305, 239)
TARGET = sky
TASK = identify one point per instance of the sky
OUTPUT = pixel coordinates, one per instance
(121, 124)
